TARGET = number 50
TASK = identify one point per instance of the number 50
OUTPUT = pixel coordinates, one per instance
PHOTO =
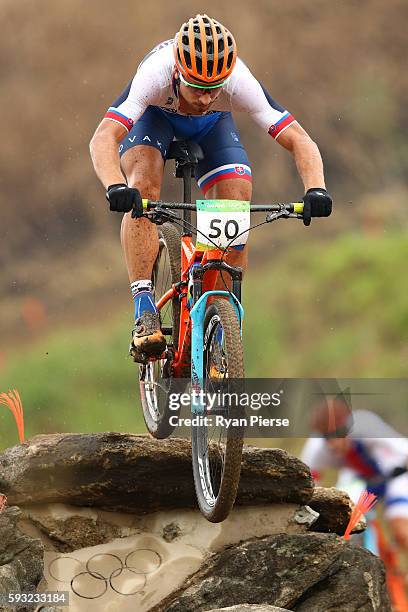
(231, 228)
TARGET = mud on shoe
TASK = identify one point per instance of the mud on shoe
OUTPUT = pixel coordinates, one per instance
(147, 338)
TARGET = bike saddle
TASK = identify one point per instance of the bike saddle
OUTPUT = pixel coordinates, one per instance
(185, 151)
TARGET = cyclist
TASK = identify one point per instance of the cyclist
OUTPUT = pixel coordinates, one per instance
(378, 462)
(186, 88)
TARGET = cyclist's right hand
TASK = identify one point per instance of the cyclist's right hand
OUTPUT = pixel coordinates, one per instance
(124, 199)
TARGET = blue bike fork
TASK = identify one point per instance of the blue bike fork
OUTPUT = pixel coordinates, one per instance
(197, 315)
(370, 535)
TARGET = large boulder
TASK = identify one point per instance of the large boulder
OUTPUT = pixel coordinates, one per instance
(132, 473)
(311, 572)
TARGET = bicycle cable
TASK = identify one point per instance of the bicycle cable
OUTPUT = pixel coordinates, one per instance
(179, 221)
(224, 252)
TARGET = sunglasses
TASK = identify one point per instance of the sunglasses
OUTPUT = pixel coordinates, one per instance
(183, 80)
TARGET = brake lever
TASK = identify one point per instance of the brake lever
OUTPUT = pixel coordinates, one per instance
(158, 216)
(281, 213)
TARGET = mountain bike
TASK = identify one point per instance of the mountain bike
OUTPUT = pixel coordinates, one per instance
(203, 327)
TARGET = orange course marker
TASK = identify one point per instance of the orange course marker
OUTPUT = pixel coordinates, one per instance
(13, 401)
(365, 502)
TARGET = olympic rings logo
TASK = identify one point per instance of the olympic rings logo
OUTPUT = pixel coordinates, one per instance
(104, 570)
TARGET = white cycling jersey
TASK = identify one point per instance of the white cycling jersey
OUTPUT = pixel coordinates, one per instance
(369, 459)
(368, 456)
(154, 85)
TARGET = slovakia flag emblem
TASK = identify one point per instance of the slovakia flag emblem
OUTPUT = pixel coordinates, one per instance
(239, 170)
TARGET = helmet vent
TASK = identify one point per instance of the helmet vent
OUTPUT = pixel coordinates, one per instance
(210, 45)
(187, 57)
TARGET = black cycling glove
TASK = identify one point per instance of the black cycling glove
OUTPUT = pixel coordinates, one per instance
(317, 203)
(124, 199)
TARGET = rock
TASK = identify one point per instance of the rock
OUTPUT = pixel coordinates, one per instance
(68, 527)
(306, 516)
(171, 531)
(273, 475)
(133, 518)
(132, 473)
(312, 572)
(21, 557)
(250, 608)
(334, 508)
(360, 584)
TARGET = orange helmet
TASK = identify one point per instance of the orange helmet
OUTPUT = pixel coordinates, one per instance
(205, 51)
(332, 418)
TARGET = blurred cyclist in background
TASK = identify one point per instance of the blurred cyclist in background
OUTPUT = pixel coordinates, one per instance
(186, 88)
(377, 463)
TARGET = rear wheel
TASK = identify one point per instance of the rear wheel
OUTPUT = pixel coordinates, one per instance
(156, 376)
(217, 449)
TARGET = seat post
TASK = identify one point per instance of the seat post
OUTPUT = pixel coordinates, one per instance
(187, 155)
(187, 169)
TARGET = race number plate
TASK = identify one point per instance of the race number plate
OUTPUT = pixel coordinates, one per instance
(222, 223)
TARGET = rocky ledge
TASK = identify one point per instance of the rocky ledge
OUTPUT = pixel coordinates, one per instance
(112, 519)
(132, 473)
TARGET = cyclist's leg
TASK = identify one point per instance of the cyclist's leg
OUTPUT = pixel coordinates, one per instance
(142, 158)
(143, 153)
(143, 168)
(225, 173)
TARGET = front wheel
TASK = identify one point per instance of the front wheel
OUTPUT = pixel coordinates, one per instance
(217, 447)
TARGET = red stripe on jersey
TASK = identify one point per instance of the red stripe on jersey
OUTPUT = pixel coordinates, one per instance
(275, 130)
(127, 123)
(222, 177)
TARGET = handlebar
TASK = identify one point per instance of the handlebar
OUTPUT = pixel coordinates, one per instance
(293, 208)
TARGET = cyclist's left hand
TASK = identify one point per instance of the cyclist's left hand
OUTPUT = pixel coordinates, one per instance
(317, 203)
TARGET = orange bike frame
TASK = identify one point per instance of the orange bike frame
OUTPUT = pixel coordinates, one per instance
(189, 255)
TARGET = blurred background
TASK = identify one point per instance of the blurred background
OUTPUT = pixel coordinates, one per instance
(326, 301)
